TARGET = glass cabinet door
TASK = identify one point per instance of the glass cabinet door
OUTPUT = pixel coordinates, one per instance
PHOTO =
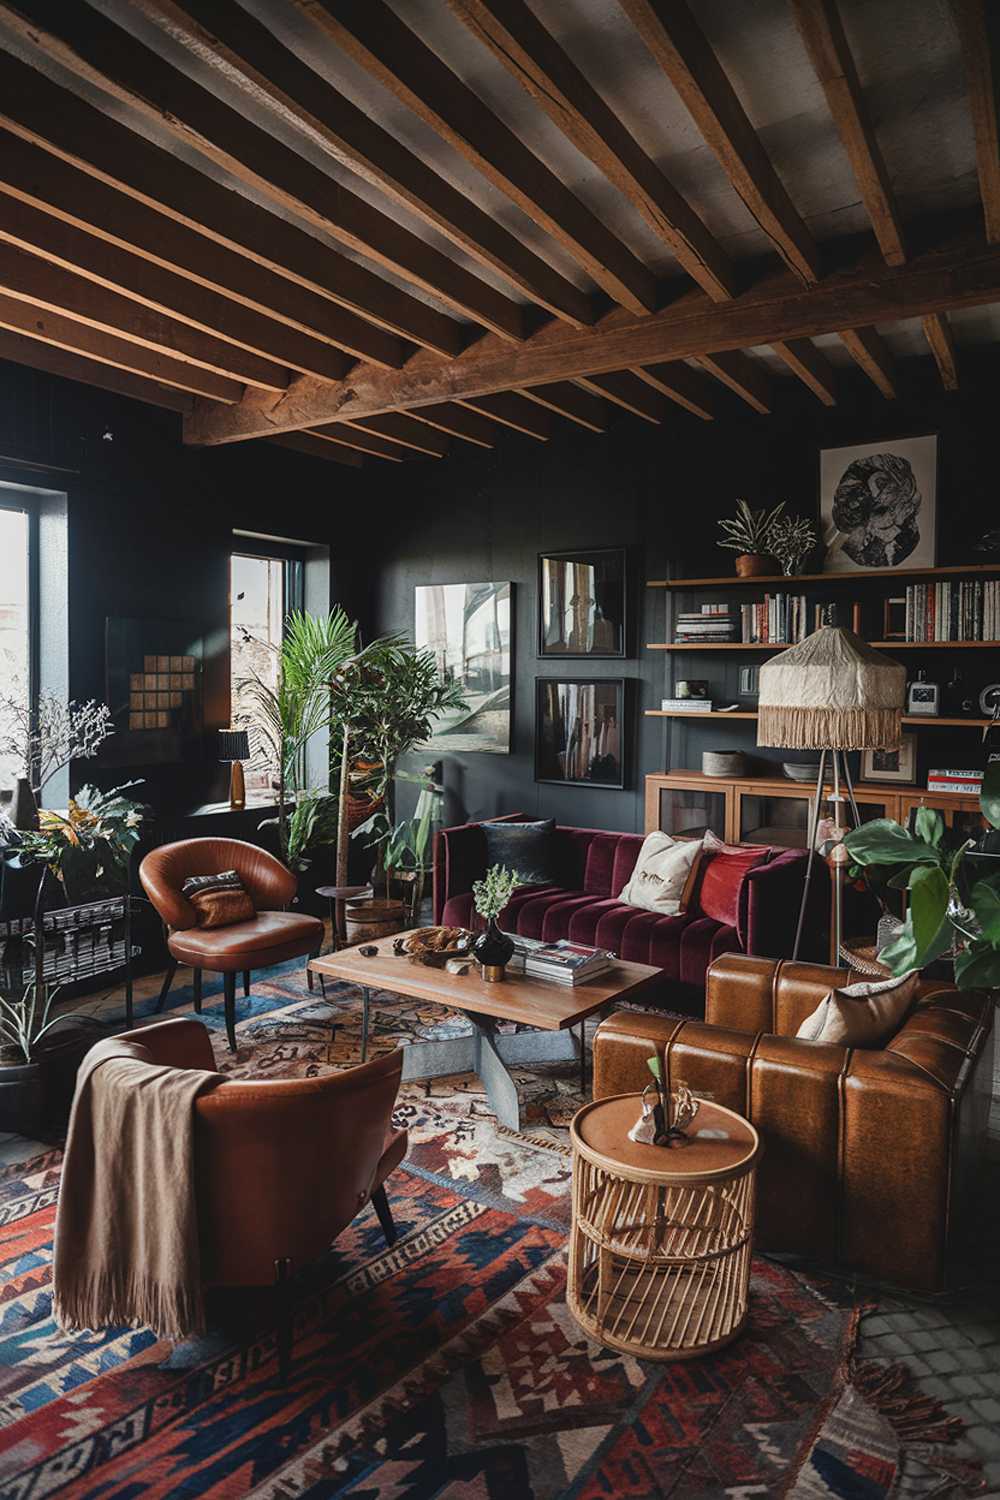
(689, 812)
(782, 818)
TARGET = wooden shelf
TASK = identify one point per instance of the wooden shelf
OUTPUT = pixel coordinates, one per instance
(731, 579)
(928, 720)
(718, 645)
(939, 645)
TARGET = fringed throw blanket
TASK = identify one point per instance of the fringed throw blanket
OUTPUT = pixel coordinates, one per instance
(126, 1244)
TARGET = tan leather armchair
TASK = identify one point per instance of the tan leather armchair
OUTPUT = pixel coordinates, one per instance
(272, 937)
(283, 1165)
(871, 1157)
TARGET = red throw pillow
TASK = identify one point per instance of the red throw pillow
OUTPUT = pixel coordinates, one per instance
(724, 870)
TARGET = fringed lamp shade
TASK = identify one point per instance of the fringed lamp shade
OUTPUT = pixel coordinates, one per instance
(831, 692)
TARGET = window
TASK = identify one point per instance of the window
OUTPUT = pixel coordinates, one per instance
(15, 616)
(262, 591)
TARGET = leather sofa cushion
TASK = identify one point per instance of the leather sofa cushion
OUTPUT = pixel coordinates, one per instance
(247, 945)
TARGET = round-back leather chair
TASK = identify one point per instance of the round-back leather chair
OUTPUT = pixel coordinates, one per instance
(271, 937)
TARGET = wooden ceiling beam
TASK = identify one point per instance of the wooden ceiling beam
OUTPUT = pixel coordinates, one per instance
(406, 432)
(567, 400)
(682, 385)
(623, 388)
(965, 274)
(743, 375)
(532, 56)
(244, 52)
(459, 422)
(374, 38)
(811, 366)
(938, 334)
(55, 361)
(673, 37)
(103, 55)
(54, 119)
(513, 411)
(870, 351)
(345, 436)
(979, 32)
(94, 344)
(304, 442)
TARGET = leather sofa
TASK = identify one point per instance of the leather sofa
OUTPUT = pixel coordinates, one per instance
(871, 1157)
(592, 866)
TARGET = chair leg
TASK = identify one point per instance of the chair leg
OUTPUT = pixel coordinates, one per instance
(229, 990)
(196, 986)
(309, 973)
(282, 1280)
(246, 984)
(168, 980)
(384, 1212)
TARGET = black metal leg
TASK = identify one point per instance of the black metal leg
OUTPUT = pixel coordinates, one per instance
(384, 1212)
(196, 987)
(168, 980)
(229, 983)
(366, 999)
(282, 1279)
(246, 984)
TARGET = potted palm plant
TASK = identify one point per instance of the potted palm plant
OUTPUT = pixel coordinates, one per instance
(749, 535)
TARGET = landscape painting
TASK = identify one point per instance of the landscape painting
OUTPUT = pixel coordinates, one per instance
(468, 627)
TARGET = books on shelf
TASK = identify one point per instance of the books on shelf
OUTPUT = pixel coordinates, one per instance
(779, 619)
(686, 705)
(709, 625)
(965, 609)
(962, 782)
(562, 962)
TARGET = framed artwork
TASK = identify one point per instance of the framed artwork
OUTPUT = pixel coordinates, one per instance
(154, 688)
(469, 628)
(580, 731)
(878, 504)
(581, 603)
(894, 619)
(891, 765)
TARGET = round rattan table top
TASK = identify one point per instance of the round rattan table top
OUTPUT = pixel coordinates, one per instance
(720, 1142)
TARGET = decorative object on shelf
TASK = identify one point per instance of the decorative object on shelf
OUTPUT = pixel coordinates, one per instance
(832, 693)
(953, 908)
(691, 688)
(899, 764)
(848, 615)
(234, 746)
(791, 541)
(799, 770)
(957, 781)
(894, 615)
(155, 686)
(749, 682)
(468, 627)
(494, 949)
(958, 699)
(582, 601)
(923, 698)
(579, 731)
(748, 534)
(989, 700)
(878, 504)
(723, 763)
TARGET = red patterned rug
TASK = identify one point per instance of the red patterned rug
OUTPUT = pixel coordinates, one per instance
(446, 1366)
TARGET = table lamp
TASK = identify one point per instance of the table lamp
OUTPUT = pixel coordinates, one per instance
(832, 693)
(234, 746)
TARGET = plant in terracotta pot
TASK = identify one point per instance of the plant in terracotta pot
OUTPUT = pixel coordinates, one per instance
(748, 534)
(493, 948)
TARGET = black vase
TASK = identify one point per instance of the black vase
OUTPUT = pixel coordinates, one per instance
(493, 949)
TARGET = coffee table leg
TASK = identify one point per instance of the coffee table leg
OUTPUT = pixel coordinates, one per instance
(583, 1058)
(366, 1000)
(501, 1090)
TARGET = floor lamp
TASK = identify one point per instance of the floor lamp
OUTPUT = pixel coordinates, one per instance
(832, 693)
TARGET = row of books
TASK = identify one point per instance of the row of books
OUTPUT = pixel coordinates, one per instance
(710, 624)
(561, 962)
(961, 611)
(962, 782)
(779, 618)
(687, 705)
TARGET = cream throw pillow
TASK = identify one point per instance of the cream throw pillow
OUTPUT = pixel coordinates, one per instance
(664, 874)
(861, 1015)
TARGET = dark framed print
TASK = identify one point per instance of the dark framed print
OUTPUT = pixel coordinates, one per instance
(469, 628)
(878, 504)
(580, 731)
(582, 599)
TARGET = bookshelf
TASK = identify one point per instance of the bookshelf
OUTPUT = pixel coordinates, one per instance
(733, 580)
(926, 721)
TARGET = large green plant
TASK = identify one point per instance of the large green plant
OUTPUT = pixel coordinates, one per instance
(954, 901)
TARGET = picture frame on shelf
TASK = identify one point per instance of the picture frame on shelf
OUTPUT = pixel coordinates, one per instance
(580, 731)
(894, 619)
(582, 604)
(892, 765)
(878, 504)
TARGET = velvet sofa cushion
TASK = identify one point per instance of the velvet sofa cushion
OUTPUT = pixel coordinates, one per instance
(724, 869)
(524, 847)
(664, 874)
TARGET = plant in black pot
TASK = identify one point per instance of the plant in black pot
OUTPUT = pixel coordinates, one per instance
(493, 948)
(88, 847)
(25, 1020)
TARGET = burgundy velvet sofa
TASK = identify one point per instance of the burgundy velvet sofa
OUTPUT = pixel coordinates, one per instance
(592, 866)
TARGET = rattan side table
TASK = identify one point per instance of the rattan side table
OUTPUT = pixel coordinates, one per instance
(659, 1255)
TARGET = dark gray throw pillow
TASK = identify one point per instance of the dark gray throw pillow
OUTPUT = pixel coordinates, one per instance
(524, 847)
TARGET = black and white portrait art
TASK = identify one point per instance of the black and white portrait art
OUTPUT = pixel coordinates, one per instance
(878, 503)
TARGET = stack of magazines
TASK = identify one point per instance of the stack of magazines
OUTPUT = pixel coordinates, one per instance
(707, 626)
(563, 962)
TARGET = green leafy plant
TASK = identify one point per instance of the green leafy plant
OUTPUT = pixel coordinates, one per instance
(87, 847)
(26, 1019)
(492, 893)
(404, 847)
(750, 530)
(953, 908)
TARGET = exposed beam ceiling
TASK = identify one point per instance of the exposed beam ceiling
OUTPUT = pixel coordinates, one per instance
(512, 410)
(567, 400)
(744, 377)
(55, 361)
(304, 442)
(870, 352)
(459, 422)
(979, 29)
(683, 385)
(811, 366)
(942, 344)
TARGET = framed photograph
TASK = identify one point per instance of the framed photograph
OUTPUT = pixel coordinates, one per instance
(580, 731)
(469, 627)
(878, 504)
(894, 619)
(891, 765)
(581, 603)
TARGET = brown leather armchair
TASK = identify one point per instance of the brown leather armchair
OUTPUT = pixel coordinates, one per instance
(316, 1151)
(871, 1157)
(271, 938)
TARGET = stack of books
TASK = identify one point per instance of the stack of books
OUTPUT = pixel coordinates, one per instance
(687, 705)
(709, 625)
(963, 782)
(562, 962)
(966, 610)
(779, 618)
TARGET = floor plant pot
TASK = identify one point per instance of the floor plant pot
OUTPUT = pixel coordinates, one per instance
(22, 1097)
(367, 920)
(493, 950)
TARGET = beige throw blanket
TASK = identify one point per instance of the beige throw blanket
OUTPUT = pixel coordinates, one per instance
(126, 1245)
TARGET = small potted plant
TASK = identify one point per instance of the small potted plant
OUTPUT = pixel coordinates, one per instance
(494, 949)
(748, 534)
(792, 539)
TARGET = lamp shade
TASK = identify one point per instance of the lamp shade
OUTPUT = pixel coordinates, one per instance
(234, 744)
(831, 692)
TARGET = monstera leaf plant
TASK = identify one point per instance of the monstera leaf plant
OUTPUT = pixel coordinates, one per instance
(953, 886)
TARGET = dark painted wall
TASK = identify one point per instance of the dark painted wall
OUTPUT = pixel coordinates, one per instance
(658, 490)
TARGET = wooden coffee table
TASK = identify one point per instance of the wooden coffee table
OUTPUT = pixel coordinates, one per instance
(550, 1010)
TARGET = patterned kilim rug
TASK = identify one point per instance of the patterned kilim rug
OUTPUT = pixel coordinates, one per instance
(448, 1365)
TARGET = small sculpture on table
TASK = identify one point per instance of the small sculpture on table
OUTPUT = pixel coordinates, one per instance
(665, 1117)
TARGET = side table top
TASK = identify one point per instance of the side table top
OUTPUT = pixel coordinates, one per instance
(720, 1142)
